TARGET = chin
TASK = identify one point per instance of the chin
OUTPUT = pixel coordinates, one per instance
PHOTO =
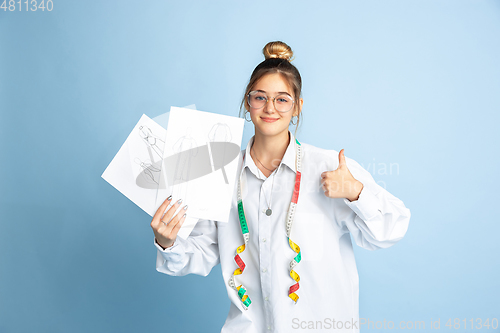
(271, 130)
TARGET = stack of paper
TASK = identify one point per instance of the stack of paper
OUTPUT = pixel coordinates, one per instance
(189, 154)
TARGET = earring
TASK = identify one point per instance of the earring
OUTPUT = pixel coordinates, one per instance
(246, 116)
(293, 122)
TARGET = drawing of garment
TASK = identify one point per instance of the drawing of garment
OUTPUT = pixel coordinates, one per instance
(220, 132)
(150, 175)
(152, 141)
(188, 145)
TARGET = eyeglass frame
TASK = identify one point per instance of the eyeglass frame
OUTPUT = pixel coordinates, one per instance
(267, 100)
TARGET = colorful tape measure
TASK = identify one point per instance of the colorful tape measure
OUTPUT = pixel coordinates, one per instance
(246, 236)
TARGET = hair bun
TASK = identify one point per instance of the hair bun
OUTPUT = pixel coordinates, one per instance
(277, 49)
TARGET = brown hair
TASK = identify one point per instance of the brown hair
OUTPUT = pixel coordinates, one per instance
(278, 56)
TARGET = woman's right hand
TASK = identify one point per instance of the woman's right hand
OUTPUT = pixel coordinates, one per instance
(165, 227)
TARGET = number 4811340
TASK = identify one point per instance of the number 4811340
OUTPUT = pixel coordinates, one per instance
(27, 5)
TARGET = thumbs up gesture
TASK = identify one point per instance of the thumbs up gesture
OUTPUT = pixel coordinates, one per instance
(340, 183)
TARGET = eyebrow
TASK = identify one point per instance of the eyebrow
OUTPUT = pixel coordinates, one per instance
(279, 92)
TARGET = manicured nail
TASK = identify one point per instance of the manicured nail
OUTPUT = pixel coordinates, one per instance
(184, 215)
(179, 201)
(169, 198)
(185, 207)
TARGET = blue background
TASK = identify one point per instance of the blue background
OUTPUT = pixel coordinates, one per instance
(413, 83)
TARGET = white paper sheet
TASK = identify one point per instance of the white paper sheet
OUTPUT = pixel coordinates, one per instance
(138, 172)
(200, 162)
(135, 169)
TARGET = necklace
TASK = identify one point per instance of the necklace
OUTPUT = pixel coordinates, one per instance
(269, 211)
(260, 161)
(241, 290)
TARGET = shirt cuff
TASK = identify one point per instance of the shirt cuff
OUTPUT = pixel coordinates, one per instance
(168, 249)
(367, 205)
(174, 253)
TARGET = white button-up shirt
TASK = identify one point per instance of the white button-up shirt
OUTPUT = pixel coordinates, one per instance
(329, 290)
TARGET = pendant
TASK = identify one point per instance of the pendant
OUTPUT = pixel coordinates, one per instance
(269, 212)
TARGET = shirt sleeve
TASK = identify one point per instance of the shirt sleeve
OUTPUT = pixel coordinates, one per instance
(197, 254)
(377, 219)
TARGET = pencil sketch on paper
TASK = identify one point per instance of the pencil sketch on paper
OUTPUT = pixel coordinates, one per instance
(136, 169)
(152, 141)
(138, 172)
(186, 149)
(220, 133)
(191, 162)
(203, 143)
(150, 176)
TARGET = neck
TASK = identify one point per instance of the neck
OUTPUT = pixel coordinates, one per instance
(270, 149)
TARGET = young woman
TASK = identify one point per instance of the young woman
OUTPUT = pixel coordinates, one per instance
(286, 252)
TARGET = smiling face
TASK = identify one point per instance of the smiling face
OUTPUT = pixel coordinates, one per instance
(267, 120)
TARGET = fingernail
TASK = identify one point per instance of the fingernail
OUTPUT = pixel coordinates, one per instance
(184, 215)
(179, 201)
(169, 198)
(185, 207)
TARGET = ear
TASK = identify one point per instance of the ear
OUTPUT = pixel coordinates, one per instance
(296, 113)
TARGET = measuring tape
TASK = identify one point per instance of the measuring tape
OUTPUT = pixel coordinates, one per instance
(242, 291)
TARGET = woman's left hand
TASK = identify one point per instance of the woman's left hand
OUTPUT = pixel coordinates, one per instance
(340, 183)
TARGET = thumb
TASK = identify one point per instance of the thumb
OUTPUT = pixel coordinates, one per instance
(342, 161)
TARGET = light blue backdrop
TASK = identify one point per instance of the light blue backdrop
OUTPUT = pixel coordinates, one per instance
(413, 83)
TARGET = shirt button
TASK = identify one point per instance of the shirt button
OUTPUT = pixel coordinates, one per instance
(263, 239)
(264, 270)
(263, 211)
(267, 298)
(268, 327)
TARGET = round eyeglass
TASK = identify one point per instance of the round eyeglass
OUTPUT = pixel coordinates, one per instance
(282, 103)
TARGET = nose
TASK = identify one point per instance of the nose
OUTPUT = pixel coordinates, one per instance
(269, 107)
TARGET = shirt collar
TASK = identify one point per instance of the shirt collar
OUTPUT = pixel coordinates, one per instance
(288, 159)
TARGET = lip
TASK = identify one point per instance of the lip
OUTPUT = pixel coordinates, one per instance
(269, 120)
